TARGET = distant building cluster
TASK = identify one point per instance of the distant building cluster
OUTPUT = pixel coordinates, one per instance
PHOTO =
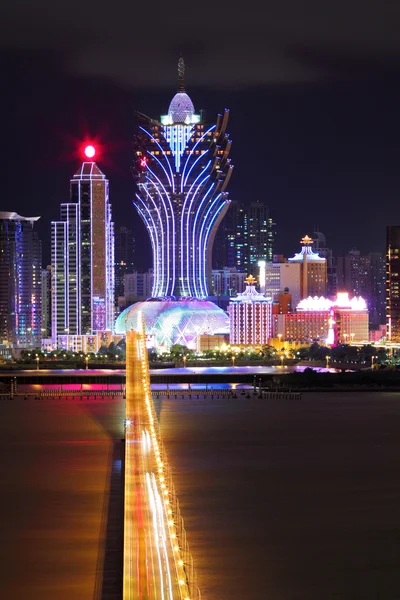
(201, 289)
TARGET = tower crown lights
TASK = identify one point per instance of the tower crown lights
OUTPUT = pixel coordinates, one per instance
(306, 240)
(250, 280)
(306, 252)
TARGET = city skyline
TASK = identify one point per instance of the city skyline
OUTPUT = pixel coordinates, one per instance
(313, 146)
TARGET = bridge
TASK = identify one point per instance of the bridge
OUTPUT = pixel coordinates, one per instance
(157, 562)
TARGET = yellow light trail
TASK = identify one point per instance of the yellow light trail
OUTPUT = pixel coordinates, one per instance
(152, 564)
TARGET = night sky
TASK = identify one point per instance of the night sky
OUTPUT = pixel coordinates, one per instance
(313, 90)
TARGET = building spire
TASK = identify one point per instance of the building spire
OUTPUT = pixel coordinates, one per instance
(181, 75)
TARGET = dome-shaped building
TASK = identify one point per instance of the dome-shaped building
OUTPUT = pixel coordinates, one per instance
(170, 321)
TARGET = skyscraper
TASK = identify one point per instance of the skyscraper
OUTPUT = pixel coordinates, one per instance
(261, 234)
(182, 169)
(83, 258)
(20, 281)
(124, 258)
(246, 235)
(393, 283)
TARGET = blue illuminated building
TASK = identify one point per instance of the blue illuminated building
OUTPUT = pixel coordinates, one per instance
(20, 281)
(182, 169)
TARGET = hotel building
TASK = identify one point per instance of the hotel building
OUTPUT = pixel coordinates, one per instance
(182, 169)
(332, 322)
(250, 315)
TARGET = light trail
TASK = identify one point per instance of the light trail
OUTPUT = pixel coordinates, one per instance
(153, 568)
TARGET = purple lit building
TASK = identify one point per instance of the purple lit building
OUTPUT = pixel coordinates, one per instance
(83, 258)
(20, 281)
(182, 169)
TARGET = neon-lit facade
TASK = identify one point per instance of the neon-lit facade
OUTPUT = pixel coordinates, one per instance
(170, 321)
(182, 169)
(250, 317)
(83, 258)
(20, 281)
(331, 322)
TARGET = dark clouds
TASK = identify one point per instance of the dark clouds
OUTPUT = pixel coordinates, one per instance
(230, 44)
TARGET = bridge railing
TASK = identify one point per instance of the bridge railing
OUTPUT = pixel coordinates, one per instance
(183, 548)
(180, 546)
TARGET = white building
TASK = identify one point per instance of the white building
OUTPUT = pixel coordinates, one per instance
(250, 316)
(82, 258)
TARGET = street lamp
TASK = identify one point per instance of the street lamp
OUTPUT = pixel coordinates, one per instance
(86, 361)
(282, 359)
(327, 360)
(37, 362)
(184, 361)
(352, 337)
(372, 361)
(233, 360)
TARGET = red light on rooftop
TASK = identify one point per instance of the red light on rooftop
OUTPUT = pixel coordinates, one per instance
(90, 151)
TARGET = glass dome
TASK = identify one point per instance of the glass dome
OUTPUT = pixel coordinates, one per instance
(171, 322)
(181, 109)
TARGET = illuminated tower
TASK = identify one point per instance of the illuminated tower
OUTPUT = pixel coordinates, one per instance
(83, 257)
(182, 169)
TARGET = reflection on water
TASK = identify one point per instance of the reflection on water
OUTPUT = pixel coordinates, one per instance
(55, 476)
(282, 500)
(290, 500)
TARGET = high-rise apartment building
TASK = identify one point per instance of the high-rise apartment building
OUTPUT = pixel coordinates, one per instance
(20, 281)
(261, 234)
(124, 258)
(83, 258)
(393, 283)
(182, 169)
(364, 275)
(246, 236)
